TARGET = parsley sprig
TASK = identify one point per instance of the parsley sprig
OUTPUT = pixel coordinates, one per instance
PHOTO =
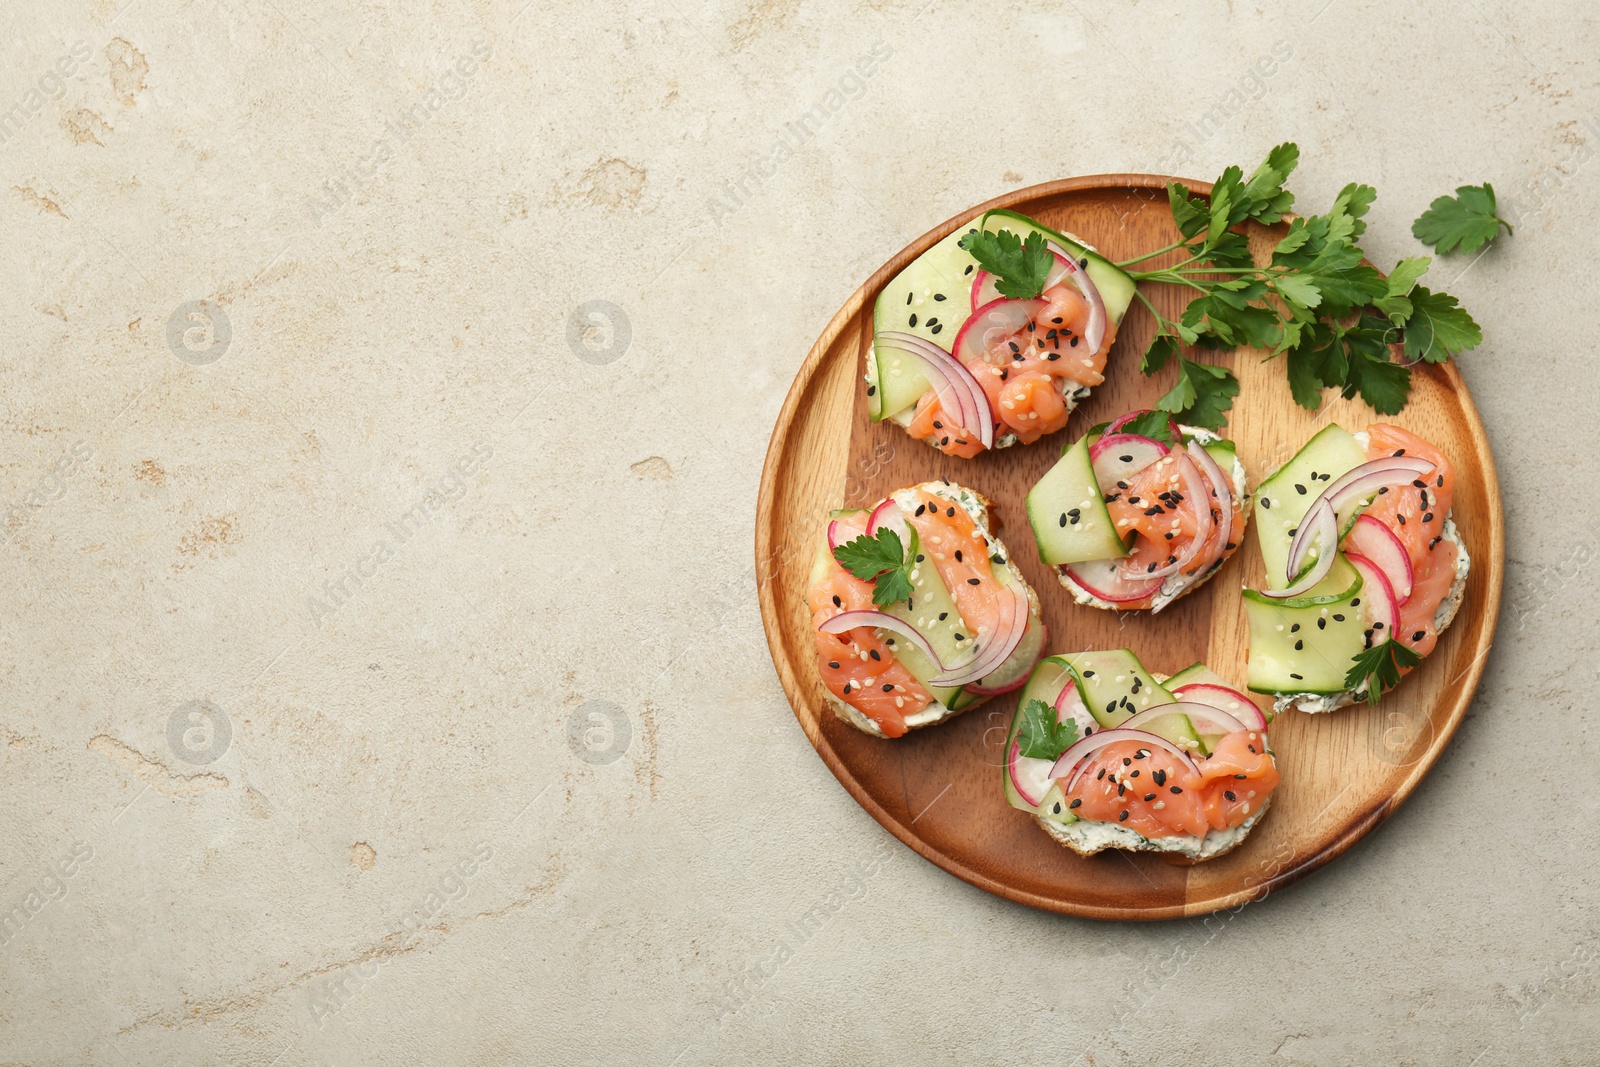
(1041, 736)
(883, 561)
(1156, 425)
(1315, 303)
(1466, 220)
(1380, 667)
(1020, 268)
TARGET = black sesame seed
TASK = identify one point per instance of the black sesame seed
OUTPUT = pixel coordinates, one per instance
(1075, 803)
(913, 318)
(872, 390)
(1355, 602)
(1126, 761)
(888, 687)
(910, 295)
(1399, 451)
(1063, 521)
(1229, 794)
(921, 558)
(1265, 503)
(1101, 775)
(943, 615)
(937, 328)
(933, 322)
(997, 558)
(1159, 776)
(937, 425)
(1322, 624)
(874, 654)
(837, 602)
(1299, 646)
(950, 512)
(972, 581)
(1297, 677)
(1123, 817)
(922, 507)
(968, 270)
(958, 555)
(1419, 635)
(1428, 517)
(938, 296)
(1241, 776)
(1402, 518)
(1300, 489)
(847, 689)
(833, 665)
(1174, 790)
(1440, 482)
(1295, 628)
(1338, 618)
(1149, 797)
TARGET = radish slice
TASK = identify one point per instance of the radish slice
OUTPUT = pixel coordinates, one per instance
(992, 649)
(1223, 699)
(1095, 332)
(989, 329)
(1206, 719)
(1372, 539)
(839, 533)
(1377, 598)
(959, 392)
(1195, 488)
(1222, 493)
(1116, 457)
(1030, 777)
(1079, 752)
(850, 620)
(1321, 526)
(889, 514)
(1070, 705)
(1104, 579)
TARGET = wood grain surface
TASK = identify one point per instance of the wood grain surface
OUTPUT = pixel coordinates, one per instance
(939, 790)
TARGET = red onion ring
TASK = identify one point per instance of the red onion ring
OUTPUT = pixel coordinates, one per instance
(1198, 714)
(1320, 525)
(851, 620)
(1094, 743)
(971, 401)
(1004, 641)
(1222, 490)
(1095, 332)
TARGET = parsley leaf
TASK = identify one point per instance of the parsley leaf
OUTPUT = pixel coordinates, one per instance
(881, 560)
(1203, 394)
(1156, 425)
(1317, 302)
(1020, 268)
(1162, 348)
(1041, 736)
(1437, 327)
(1380, 667)
(1466, 220)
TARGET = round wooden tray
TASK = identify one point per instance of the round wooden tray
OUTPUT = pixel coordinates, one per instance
(939, 790)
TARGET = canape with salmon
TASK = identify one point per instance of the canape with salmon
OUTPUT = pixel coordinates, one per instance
(992, 336)
(1139, 512)
(919, 611)
(1364, 567)
(1106, 755)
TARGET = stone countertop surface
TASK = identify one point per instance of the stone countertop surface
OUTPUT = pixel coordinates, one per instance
(386, 388)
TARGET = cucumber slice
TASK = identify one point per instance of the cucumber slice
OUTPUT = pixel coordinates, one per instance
(931, 298)
(1115, 685)
(1284, 498)
(1291, 653)
(1179, 730)
(1054, 807)
(1116, 288)
(932, 610)
(1068, 514)
(1195, 674)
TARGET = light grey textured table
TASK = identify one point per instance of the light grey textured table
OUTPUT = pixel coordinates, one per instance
(385, 391)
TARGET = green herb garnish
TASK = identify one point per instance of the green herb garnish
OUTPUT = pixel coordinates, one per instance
(1041, 736)
(1020, 268)
(1156, 425)
(1331, 317)
(1380, 667)
(881, 560)
(1466, 220)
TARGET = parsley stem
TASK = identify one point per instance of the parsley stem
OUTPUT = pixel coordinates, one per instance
(1160, 251)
